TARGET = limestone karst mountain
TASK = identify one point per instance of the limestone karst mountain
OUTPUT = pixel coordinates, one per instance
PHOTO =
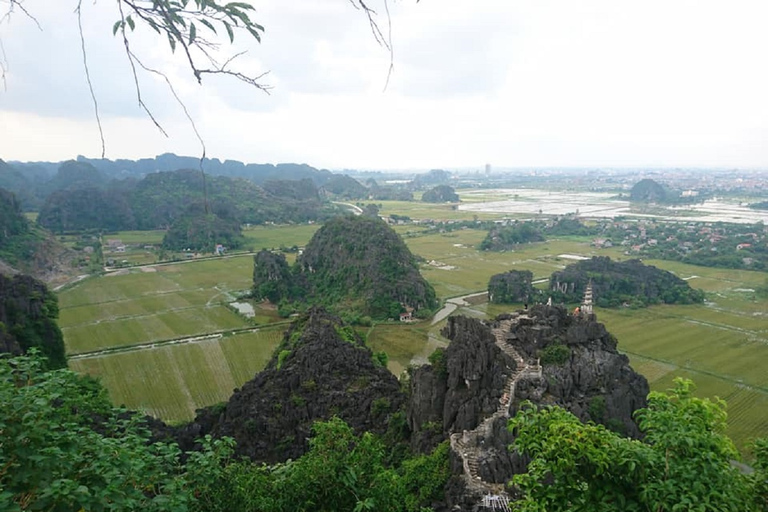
(543, 354)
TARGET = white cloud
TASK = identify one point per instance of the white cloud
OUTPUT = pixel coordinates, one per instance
(544, 82)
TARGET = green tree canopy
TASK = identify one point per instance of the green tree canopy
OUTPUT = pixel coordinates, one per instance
(683, 462)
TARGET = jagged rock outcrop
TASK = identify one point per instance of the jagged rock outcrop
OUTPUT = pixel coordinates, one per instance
(321, 369)
(458, 393)
(490, 368)
(621, 282)
(28, 313)
(594, 377)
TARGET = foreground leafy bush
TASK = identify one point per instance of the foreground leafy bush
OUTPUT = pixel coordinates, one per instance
(682, 463)
(64, 447)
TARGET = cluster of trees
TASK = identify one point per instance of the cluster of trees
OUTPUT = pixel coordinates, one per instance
(683, 461)
(159, 199)
(440, 194)
(28, 314)
(510, 287)
(72, 451)
(621, 282)
(16, 237)
(501, 238)
(351, 264)
(651, 191)
(613, 284)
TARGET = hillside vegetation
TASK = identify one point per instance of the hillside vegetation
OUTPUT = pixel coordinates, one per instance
(352, 263)
(160, 199)
(28, 313)
(621, 282)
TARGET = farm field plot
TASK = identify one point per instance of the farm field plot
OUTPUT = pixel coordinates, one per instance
(724, 353)
(419, 210)
(272, 237)
(460, 268)
(135, 306)
(170, 382)
(406, 345)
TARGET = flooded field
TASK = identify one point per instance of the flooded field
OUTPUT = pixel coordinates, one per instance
(600, 205)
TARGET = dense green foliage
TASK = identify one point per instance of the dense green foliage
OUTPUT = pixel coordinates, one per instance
(161, 198)
(73, 175)
(28, 313)
(511, 287)
(346, 187)
(556, 353)
(353, 264)
(508, 237)
(12, 221)
(71, 450)
(683, 461)
(570, 226)
(257, 173)
(273, 279)
(83, 209)
(198, 230)
(17, 241)
(440, 194)
(65, 448)
(341, 471)
(621, 282)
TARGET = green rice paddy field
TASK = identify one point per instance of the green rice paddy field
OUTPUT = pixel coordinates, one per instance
(171, 381)
(722, 345)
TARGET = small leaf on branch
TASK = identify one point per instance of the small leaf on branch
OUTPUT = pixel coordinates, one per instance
(131, 23)
(172, 41)
(192, 33)
(229, 31)
(208, 24)
(116, 26)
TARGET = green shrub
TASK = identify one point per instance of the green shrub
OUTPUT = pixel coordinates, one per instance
(596, 408)
(437, 360)
(380, 359)
(555, 354)
(380, 405)
(281, 357)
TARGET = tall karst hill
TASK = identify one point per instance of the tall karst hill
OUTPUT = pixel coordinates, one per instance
(357, 263)
(26, 248)
(543, 354)
(28, 313)
(160, 199)
(621, 282)
(321, 369)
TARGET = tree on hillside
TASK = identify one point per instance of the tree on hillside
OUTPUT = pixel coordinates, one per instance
(683, 462)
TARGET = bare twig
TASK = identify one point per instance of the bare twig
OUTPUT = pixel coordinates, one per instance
(19, 4)
(88, 76)
(378, 35)
(391, 46)
(189, 118)
(3, 65)
(128, 53)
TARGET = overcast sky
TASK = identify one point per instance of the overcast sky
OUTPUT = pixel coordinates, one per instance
(581, 83)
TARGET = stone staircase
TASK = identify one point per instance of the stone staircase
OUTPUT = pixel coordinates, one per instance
(467, 444)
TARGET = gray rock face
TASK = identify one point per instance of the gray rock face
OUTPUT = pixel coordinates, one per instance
(458, 396)
(594, 382)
